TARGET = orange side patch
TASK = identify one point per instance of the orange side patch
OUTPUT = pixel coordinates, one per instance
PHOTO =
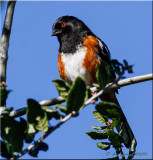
(61, 67)
(91, 60)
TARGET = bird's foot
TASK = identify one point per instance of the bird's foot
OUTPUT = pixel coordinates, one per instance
(94, 100)
(109, 124)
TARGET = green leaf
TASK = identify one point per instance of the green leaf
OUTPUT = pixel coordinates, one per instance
(125, 63)
(97, 135)
(132, 148)
(115, 122)
(117, 66)
(122, 130)
(104, 145)
(52, 113)
(99, 127)
(23, 124)
(12, 133)
(3, 95)
(3, 151)
(42, 124)
(77, 96)
(96, 85)
(114, 138)
(62, 108)
(30, 133)
(40, 147)
(104, 74)
(37, 116)
(62, 87)
(99, 117)
(130, 69)
(109, 109)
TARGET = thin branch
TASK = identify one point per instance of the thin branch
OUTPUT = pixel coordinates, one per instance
(4, 43)
(133, 80)
(122, 154)
(120, 84)
(49, 102)
(69, 116)
(58, 100)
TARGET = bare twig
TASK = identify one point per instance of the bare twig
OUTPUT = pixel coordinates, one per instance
(120, 84)
(49, 102)
(133, 80)
(58, 100)
(4, 43)
(122, 154)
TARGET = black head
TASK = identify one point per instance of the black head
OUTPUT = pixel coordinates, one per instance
(69, 31)
(69, 25)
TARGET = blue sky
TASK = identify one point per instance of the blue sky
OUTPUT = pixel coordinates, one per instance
(126, 28)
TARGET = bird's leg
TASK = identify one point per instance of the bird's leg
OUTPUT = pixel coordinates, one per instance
(109, 124)
(92, 94)
(94, 100)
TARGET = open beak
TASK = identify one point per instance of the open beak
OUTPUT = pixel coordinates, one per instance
(55, 33)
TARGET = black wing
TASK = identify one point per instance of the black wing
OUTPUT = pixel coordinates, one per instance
(104, 55)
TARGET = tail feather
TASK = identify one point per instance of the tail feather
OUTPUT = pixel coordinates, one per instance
(128, 134)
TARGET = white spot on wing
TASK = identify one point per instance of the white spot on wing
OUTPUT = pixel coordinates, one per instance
(100, 44)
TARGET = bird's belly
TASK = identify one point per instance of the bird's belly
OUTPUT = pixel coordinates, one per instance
(74, 68)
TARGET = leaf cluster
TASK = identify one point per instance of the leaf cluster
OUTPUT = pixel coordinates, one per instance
(120, 68)
(14, 133)
(107, 113)
(106, 72)
(104, 112)
(75, 95)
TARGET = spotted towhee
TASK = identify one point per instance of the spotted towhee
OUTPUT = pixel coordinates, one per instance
(80, 52)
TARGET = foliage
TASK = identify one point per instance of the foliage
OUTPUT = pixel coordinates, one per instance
(4, 93)
(15, 133)
(75, 97)
(109, 114)
(40, 147)
(38, 118)
(107, 131)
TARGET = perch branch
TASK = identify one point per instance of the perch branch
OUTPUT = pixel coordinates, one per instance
(58, 100)
(120, 84)
(49, 102)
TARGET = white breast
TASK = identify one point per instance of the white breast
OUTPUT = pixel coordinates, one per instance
(73, 65)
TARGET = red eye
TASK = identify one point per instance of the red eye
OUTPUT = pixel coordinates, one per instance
(63, 24)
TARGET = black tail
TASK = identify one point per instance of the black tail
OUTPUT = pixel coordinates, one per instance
(127, 135)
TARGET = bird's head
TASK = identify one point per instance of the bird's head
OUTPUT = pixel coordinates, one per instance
(66, 26)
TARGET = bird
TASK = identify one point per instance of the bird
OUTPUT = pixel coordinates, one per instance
(80, 52)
